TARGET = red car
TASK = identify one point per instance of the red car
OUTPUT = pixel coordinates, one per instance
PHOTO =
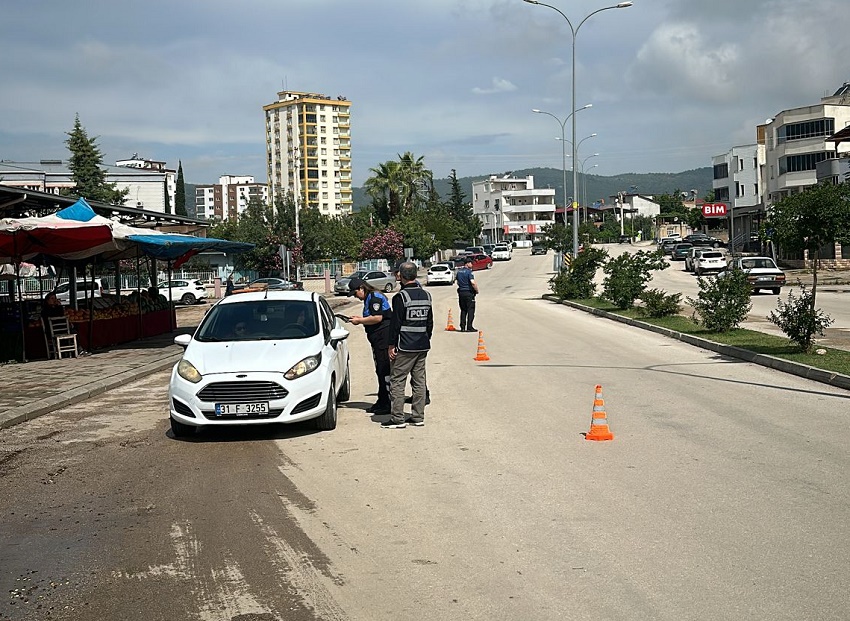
(480, 261)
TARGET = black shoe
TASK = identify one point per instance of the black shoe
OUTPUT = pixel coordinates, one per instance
(389, 424)
(415, 423)
(471, 329)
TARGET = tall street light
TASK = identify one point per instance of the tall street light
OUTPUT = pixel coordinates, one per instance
(584, 182)
(564, 148)
(574, 32)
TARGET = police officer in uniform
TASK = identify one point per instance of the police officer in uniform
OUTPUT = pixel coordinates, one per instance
(467, 289)
(411, 327)
(376, 322)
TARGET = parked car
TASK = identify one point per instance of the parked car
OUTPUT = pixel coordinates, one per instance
(186, 291)
(272, 284)
(92, 288)
(479, 262)
(441, 274)
(260, 358)
(382, 281)
(709, 261)
(693, 253)
(475, 250)
(624, 239)
(488, 249)
(538, 249)
(668, 244)
(501, 253)
(670, 238)
(701, 239)
(680, 251)
(762, 273)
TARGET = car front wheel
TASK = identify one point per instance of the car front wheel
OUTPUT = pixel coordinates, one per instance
(345, 391)
(327, 421)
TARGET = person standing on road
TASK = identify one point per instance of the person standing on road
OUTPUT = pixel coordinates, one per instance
(376, 321)
(411, 327)
(229, 286)
(467, 289)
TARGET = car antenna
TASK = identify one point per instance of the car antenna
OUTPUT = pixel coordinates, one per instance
(266, 294)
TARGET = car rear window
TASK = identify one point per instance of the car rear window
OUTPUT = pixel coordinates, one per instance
(711, 255)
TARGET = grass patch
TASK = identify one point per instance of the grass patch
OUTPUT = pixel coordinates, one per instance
(835, 360)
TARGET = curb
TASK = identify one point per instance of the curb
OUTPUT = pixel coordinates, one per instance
(786, 366)
(45, 406)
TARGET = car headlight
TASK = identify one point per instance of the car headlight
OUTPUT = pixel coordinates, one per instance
(303, 367)
(188, 372)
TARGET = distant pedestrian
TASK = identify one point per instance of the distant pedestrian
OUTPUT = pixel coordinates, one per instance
(229, 286)
(376, 321)
(411, 327)
(467, 289)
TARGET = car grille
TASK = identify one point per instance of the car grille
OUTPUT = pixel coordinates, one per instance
(242, 392)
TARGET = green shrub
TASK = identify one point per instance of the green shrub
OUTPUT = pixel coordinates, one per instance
(656, 303)
(575, 281)
(798, 319)
(628, 275)
(723, 302)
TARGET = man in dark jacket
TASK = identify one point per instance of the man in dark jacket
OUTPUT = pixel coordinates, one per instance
(467, 289)
(411, 327)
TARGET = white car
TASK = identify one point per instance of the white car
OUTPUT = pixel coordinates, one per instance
(259, 358)
(709, 261)
(186, 291)
(441, 274)
(92, 288)
(501, 253)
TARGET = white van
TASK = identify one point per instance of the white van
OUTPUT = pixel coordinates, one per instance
(85, 289)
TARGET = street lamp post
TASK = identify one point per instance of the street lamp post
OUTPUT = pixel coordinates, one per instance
(564, 161)
(584, 182)
(574, 32)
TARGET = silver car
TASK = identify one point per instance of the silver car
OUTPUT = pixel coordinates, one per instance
(382, 281)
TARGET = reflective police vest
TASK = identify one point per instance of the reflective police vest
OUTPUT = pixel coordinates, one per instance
(413, 335)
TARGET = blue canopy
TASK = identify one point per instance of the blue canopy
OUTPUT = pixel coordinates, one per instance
(165, 246)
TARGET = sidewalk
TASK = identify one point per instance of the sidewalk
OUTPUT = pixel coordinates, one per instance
(35, 388)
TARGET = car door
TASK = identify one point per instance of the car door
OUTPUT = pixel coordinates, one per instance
(337, 352)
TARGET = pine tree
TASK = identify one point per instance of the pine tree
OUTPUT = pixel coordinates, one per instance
(86, 172)
(180, 198)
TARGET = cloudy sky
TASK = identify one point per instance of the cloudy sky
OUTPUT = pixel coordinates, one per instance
(672, 82)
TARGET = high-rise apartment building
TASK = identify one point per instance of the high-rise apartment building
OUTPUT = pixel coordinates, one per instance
(308, 150)
(228, 198)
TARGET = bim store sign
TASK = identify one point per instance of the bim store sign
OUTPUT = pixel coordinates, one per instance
(714, 210)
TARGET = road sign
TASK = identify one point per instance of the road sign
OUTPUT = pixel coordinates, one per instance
(714, 210)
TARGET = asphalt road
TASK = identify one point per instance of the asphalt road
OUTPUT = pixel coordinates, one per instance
(723, 495)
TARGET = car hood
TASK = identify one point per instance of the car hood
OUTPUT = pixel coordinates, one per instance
(250, 356)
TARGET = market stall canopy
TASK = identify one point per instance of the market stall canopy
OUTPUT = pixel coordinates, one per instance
(24, 270)
(24, 238)
(165, 246)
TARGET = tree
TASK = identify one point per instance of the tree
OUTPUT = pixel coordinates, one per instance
(180, 196)
(460, 211)
(86, 172)
(558, 237)
(810, 220)
(413, 179)
(628, 275)
(383, 188)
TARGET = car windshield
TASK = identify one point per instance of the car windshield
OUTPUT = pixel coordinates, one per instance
(259, 320)
(358, 274)
(749, 264)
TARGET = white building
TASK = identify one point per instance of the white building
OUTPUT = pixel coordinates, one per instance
(796, 141)
(511, 208)
(146, 187)
(149, 197)
(737, 183)
(308, 150)
(228, 198)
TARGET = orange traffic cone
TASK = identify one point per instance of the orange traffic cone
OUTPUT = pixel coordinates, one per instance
(599, 421)
(482, 351)
(450, 327)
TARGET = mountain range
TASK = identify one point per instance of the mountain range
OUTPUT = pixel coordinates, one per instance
(593, 187)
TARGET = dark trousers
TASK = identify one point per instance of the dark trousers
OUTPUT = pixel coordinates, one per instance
(466, 300)
(380, 342)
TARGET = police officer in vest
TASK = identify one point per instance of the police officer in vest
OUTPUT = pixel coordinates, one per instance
(467, 289)
(411, 327)
(376, 321)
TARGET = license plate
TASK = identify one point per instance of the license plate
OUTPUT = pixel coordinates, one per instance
(241, 409)
(764, 278)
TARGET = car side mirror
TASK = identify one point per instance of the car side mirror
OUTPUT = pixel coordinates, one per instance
(183, 340)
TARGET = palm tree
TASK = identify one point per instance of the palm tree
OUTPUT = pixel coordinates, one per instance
(383, 185)
(414, 177)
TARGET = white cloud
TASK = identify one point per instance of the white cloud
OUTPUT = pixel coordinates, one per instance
(499, 86)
